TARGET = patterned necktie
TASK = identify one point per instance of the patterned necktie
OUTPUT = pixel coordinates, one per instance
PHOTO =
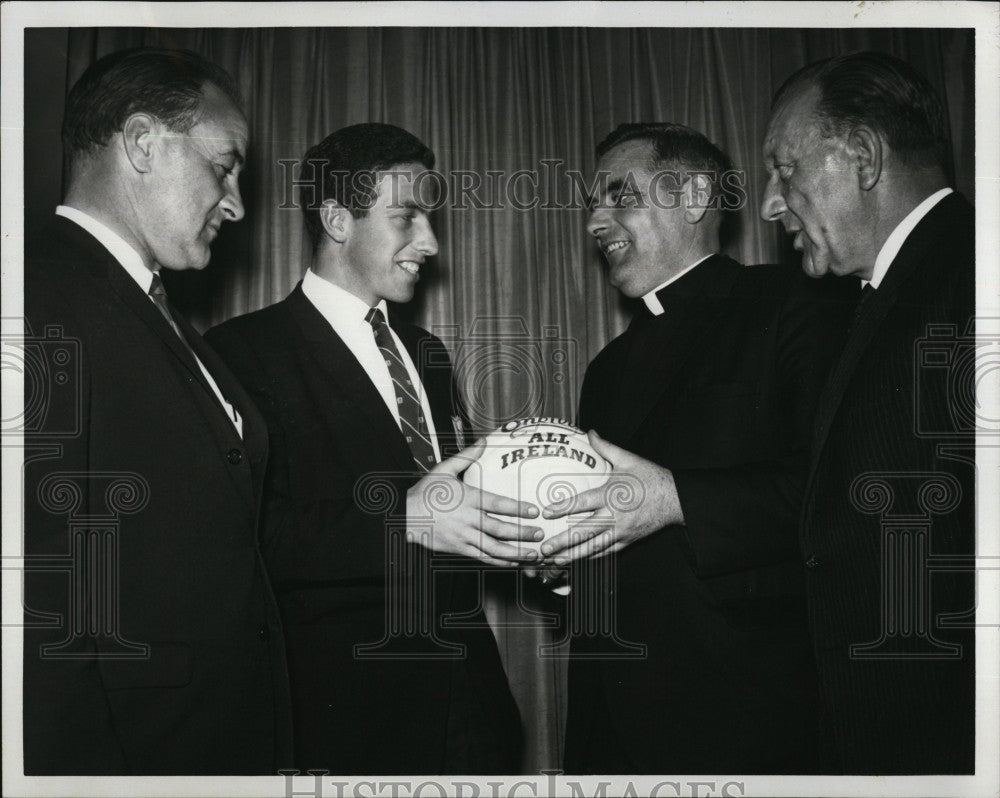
(411, 414)
(159, 294)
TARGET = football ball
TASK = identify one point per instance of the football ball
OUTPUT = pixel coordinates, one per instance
(541, 461)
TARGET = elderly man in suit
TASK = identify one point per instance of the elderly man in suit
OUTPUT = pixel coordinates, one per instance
(152, 641)
(704, 405)
(360, 403)
(857, 154)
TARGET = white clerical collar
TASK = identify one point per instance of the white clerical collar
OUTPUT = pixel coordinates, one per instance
(337, 305)
(890, 249)
(650, 298)
(121, 250)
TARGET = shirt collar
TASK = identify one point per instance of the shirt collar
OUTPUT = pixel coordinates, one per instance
(339, 307)
(650, 298)
(890, 249)
(121, 250)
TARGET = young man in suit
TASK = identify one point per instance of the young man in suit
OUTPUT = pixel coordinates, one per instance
(857, 150)
(152, 642)
(704, 406)
(361, 407)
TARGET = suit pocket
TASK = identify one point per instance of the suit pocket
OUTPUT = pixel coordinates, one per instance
(167, 665)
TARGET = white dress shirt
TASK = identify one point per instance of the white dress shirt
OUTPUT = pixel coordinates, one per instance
(890, 249)
(650, 298)
(346, 314)
(131, 262)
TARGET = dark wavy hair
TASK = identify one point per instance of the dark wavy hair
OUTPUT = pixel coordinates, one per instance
(342, 167)
(168, 84)
(882, 92)
(674, 146)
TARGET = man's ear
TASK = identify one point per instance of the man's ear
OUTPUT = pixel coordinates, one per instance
(866, 149)
(139, 139)
(336, 219)
(697, 193)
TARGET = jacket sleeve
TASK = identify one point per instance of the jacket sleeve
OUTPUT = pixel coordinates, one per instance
(68, 727)
(747, 516)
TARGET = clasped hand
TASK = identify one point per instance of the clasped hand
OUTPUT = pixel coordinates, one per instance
(639, 498)
(445, 515)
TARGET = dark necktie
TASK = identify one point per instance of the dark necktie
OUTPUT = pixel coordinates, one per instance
(866, 295)
(411, 414)
(834, 377)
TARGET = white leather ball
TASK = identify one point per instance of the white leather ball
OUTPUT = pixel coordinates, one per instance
(539, 460)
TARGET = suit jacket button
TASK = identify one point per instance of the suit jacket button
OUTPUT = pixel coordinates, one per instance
(263, 632)
(235, 456)
(812, 562)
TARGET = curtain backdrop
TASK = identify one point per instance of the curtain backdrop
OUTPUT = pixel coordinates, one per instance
(519, 295)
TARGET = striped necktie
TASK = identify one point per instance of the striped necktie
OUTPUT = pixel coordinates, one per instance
(411, 414)
(159, 294)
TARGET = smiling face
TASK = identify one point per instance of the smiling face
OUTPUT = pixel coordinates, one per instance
(193, 186)
(813, 190)
(384, 249)
(643, 236)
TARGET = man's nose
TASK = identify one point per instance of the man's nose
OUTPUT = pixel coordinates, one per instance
(772, 204)
(232, 203)
(598, 221)
(426, 242)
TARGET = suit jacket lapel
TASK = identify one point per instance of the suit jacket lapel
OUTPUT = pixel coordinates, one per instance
(124, 286)
(862, 333)
(865, 328)
(132, 297)
(349, 383)
(661, 346)
(254, 430)
(254, 439)
(140, 304)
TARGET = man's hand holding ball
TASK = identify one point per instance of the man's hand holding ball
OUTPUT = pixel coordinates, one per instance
(638, 499)
(541, 461)
(450, 517)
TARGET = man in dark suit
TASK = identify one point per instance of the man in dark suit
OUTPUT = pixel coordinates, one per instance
(704, 406)
(152, 641)
(857, 152)
(369, 539)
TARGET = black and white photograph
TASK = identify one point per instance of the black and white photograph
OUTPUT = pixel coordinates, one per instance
(501, 399)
